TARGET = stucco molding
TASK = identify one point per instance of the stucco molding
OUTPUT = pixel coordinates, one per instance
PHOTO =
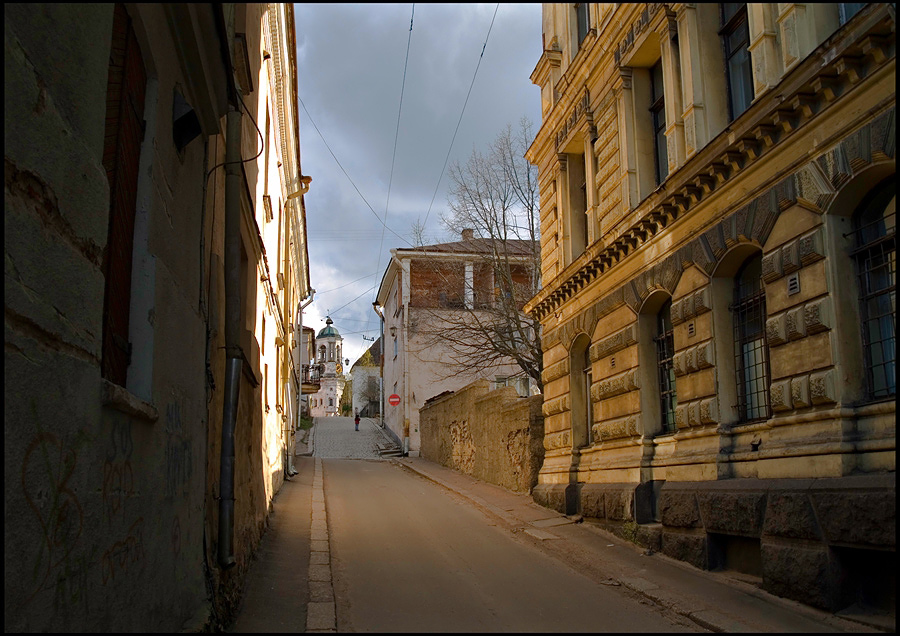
(807, 91)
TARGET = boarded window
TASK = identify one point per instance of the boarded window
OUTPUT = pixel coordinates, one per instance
(126, 88)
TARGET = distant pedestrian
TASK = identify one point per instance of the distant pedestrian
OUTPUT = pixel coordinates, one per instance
(357, 420)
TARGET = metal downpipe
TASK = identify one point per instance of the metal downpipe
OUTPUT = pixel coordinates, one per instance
(233, 357)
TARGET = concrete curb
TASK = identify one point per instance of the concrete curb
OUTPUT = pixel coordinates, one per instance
(685, 606)
(321, 609)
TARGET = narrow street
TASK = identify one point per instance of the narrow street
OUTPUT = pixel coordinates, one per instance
(364, 544)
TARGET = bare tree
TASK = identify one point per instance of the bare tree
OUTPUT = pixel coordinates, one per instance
(495, 195)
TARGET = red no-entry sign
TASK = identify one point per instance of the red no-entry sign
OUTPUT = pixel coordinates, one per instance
(394, 400)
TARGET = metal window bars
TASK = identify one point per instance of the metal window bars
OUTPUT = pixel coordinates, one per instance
(588, 403)
(665, 352)
(751, 349)
(876, 267)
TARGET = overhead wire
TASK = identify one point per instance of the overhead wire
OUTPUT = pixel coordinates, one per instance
(347, 175)
(480, 57)
(383, 221)
(345, 284)
(396, 136)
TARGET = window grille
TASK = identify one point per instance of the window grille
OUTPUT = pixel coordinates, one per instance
(588, 406)
(658, 116)
(735, 33)
(751, 349)
(665, 351)
(876, 266)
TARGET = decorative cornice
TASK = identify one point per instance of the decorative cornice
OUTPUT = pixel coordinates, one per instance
(804, 93)
(637, 28)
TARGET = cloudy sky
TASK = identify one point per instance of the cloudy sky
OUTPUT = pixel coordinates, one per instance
(350, 61)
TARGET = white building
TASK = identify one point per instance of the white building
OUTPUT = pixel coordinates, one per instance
(366, 377)
(327, 400)
(420, 287)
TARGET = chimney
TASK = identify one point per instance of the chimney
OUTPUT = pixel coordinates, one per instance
(468, 235)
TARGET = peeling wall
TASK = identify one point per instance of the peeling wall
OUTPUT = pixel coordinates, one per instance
(495, 436)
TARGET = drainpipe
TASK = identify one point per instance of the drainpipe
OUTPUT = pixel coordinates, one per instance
(300, 309)
(404, 299)
(377, 309)
(233, 357)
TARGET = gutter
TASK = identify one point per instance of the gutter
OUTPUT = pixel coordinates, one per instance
(378, 311)
(233, 353)
(299, 323)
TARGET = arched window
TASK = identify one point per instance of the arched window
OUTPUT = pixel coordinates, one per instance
(580, 389)
(751, 352)
(875, 255)
(322, 353)
(665, 351)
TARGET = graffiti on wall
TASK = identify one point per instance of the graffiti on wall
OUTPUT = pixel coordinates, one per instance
(179, 457)
(118, 476)
(46, 473)
(123, 554)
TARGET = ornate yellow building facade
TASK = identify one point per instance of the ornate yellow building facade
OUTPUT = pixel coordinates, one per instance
(718, 313)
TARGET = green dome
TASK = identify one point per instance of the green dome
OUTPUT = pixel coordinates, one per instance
(328, 331)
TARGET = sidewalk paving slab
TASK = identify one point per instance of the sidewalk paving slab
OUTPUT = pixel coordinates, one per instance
(715, 601)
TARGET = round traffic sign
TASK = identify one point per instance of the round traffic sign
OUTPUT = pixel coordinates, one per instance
(394, 400)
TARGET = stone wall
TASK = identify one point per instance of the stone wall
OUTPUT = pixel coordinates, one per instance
(495, 436)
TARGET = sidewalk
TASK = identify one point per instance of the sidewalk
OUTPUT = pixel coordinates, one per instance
(714, 601)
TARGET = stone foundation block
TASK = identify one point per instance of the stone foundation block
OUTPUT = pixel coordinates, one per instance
(690, 547)
(593, 501)
(551, 496)
(739, 513)
(858, 518)
(679, 509)
(790, 515)
(800, 572)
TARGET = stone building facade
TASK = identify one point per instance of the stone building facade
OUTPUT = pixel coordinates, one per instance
(140, 140)
(718, 311)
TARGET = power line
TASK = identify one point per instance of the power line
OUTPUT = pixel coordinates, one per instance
(331, 313)
(396, 136)
(345, 284)
(347, 175)
(480, 57)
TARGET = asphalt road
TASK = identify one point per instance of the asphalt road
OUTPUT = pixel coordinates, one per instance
(407, 555)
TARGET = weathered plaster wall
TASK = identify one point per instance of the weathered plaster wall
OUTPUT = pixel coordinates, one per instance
(104, 506)
(492, 435)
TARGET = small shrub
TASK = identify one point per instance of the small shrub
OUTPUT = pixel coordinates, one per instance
(629, 531)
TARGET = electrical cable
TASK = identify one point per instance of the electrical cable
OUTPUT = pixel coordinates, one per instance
(345, 284)
(480, 57)
(347, 175)
(331, 313)
(258, 132)
(396, 135)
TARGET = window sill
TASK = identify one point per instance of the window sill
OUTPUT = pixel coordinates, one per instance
(120, 399)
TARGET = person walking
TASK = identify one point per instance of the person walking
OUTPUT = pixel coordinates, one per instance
(357, 420)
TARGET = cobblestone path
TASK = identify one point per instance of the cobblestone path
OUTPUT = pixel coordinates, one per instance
(335, 438)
